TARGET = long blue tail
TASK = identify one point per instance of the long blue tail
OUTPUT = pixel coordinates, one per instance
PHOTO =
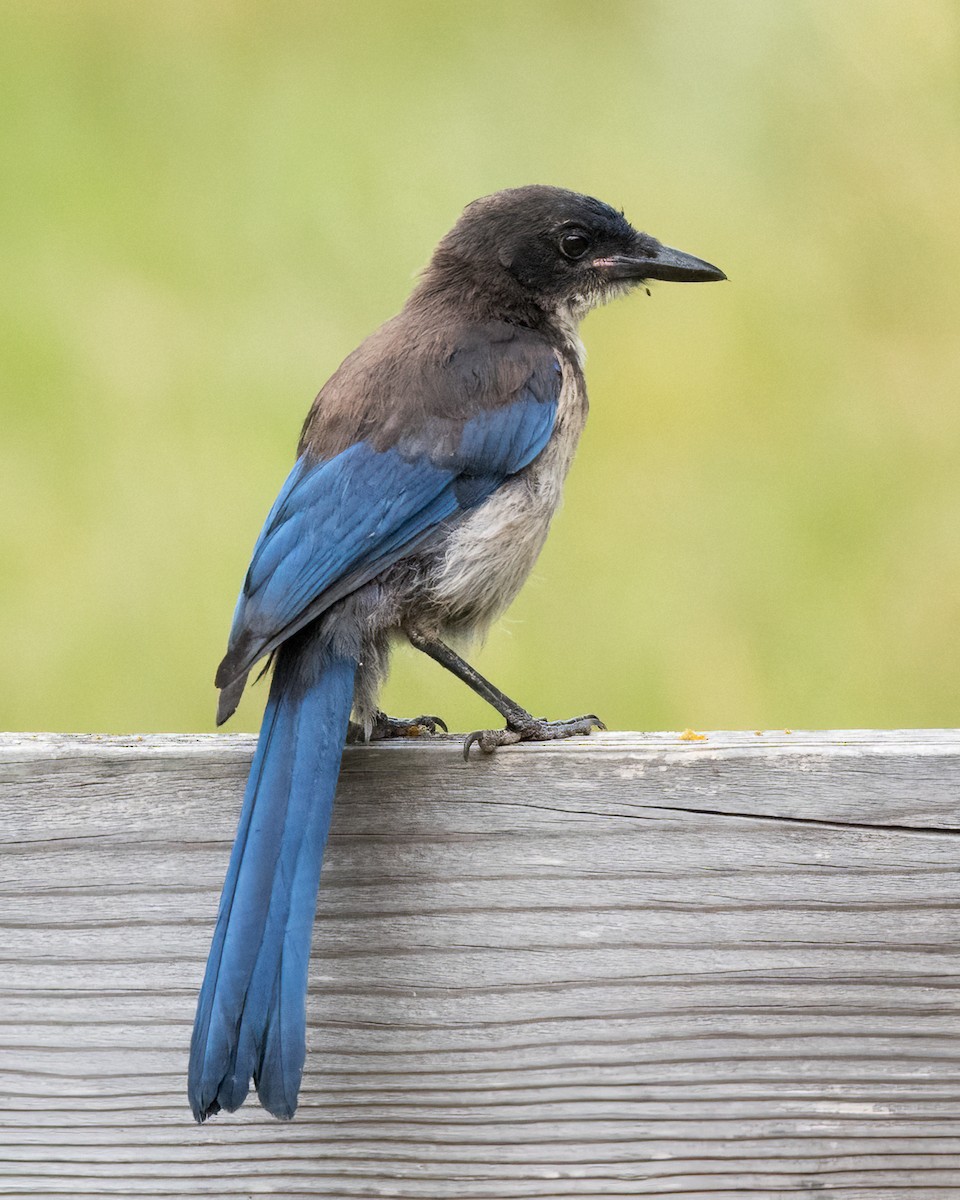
(251, 1015)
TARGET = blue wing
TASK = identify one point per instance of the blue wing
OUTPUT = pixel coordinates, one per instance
(337, 523)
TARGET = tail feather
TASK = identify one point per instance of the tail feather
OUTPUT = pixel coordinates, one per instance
(251, 1020)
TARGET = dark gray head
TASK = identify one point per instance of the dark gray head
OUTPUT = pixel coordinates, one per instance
(552, 249)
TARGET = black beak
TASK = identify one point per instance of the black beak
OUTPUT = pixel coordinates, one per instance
(663, 263)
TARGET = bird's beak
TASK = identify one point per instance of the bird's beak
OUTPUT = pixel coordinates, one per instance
(663, 263)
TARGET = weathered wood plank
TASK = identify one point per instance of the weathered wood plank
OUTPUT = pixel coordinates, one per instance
(626, 966)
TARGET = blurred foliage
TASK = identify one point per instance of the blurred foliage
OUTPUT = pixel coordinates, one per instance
(206, 205)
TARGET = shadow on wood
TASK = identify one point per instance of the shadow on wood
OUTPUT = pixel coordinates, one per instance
(622, 966)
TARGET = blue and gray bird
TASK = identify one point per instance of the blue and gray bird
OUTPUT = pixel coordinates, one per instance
(428, 471)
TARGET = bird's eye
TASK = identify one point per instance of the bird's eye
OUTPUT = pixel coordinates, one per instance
(574, 244)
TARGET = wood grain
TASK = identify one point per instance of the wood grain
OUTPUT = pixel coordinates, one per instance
(623, 966)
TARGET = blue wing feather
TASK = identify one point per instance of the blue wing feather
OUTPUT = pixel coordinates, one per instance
(351, 516)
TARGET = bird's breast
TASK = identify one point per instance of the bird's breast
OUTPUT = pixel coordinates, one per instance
(490, 553)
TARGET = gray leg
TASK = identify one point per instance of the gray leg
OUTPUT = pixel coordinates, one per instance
(521, 726)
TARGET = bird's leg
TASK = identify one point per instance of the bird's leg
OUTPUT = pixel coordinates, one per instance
(521, 726)
(394, 727)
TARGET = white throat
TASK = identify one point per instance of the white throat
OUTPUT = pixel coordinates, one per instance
(569, 317)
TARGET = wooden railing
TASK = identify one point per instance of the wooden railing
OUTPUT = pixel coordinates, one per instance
(630, 965)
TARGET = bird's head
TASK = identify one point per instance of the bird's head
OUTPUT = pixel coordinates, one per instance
(558, 250)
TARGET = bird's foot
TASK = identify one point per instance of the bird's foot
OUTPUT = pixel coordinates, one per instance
(531, 729)
(395, 727)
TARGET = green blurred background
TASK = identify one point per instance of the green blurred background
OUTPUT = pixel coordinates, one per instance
(205, 206)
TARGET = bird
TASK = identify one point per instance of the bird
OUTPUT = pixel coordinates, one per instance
(427, 473)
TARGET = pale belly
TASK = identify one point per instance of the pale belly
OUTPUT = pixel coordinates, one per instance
(492, 551)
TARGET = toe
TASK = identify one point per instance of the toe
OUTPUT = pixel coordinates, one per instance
(489, 739)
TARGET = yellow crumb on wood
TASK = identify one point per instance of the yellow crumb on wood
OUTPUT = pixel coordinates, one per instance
(691, 735)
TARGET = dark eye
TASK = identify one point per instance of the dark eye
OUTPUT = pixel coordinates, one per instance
(574, 243)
